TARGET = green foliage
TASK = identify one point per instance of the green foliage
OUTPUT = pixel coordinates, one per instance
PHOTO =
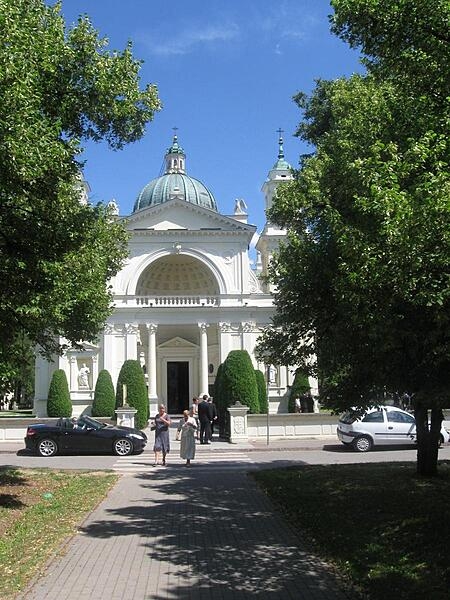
(61, 86)
(238, 381)
(104, 401)
(300, 386)
(218, 397)
(58, 401)
(364, 278)
(262, 391)
(132, 376)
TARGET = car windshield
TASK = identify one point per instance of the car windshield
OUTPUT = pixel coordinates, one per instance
(91, 423)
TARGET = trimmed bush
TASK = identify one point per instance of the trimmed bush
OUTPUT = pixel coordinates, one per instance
(219, 402)
(104, 401)
(58, 400)
(132, 375)
(300, 387)
(238, 381)
(262, 391)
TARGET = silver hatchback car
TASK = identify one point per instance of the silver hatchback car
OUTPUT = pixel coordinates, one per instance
(383, 425)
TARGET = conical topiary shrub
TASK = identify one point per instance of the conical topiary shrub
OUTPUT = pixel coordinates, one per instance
(300, 386)
(104, 401)
(238, 381)
(58, 400)
(219, 402)
(262, 391)
(132, 376)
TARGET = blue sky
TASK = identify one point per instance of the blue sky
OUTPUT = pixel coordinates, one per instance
(226, 73)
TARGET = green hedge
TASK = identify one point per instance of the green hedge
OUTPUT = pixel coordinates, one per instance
(262, 391)
(58, 400)
(132, 376)
(104, 401)
(238, 381)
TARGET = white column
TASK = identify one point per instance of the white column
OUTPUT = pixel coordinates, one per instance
(108, 351)
(152, 362)
(131, 332)
(73, 374)
(224, 340)
(203, 358)
(94, 371)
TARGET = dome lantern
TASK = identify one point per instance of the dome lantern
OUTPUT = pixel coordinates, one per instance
(175, 184)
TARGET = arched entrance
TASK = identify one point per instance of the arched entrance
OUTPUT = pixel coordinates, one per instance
(175, 290)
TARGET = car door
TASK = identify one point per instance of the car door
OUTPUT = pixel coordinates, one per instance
(75, 440)
(375, 424)
(401, 427)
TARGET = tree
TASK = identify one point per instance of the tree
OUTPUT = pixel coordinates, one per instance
(300, 387)
(262, 391)
(58, 401)
(238, 381)
(104, 401)
(364, 278)
(58, 87)
(132, 376)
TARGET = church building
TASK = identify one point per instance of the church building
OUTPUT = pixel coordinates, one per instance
(186, 296)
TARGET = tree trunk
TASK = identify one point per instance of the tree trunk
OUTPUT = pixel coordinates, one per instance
(427, 440)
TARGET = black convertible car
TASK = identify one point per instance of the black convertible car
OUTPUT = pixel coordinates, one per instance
(84, 435)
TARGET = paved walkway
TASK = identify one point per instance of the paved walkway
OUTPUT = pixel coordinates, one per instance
(177, 533)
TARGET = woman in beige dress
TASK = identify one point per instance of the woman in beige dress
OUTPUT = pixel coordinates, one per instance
(186, 434)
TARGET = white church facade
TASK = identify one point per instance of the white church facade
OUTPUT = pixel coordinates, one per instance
(186, 296)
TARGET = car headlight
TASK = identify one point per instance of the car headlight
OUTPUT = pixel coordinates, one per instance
(136, 436)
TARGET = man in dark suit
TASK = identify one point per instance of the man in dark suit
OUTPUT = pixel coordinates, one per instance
(205, 417)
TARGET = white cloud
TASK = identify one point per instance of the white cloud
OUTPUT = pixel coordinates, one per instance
(185, 41)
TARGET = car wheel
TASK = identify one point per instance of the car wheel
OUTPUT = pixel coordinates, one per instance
(123, 447)
(362, 444)
(47, 447)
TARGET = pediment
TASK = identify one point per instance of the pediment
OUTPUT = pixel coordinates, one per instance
(177, 342)
(181, 215)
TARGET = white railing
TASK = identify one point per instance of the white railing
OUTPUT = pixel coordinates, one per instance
(177, 300)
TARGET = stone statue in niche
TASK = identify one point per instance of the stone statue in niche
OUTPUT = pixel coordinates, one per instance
(83, 377)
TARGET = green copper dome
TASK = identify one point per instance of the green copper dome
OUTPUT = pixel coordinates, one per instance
(281, 163)
(175, 184)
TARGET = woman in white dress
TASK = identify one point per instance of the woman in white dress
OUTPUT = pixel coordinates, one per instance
(186, 434)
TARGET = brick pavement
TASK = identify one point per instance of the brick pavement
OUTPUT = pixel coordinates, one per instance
(178, 534)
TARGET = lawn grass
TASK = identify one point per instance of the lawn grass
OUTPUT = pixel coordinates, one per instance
(385, 529)
(39, 509)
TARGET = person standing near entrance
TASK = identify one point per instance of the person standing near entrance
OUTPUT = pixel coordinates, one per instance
(205, 418)
(186, 434)
(162, 439)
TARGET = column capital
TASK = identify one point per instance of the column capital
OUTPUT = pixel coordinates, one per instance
(109, 329)
(151, 327)
(203, 326)
(131, 328)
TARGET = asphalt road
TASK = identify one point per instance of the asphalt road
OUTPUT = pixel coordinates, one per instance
(220, 456)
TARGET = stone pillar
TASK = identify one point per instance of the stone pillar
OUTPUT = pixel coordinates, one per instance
(94, 371)
(151, 368)
(108, 352)
(224, 340)
(73, 373)
(238, 423)
(203, 359)
(131, 333)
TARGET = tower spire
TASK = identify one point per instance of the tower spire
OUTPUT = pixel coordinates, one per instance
(280, 143)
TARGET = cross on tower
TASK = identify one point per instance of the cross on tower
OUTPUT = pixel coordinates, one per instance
(280, 131)
(175, 129)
